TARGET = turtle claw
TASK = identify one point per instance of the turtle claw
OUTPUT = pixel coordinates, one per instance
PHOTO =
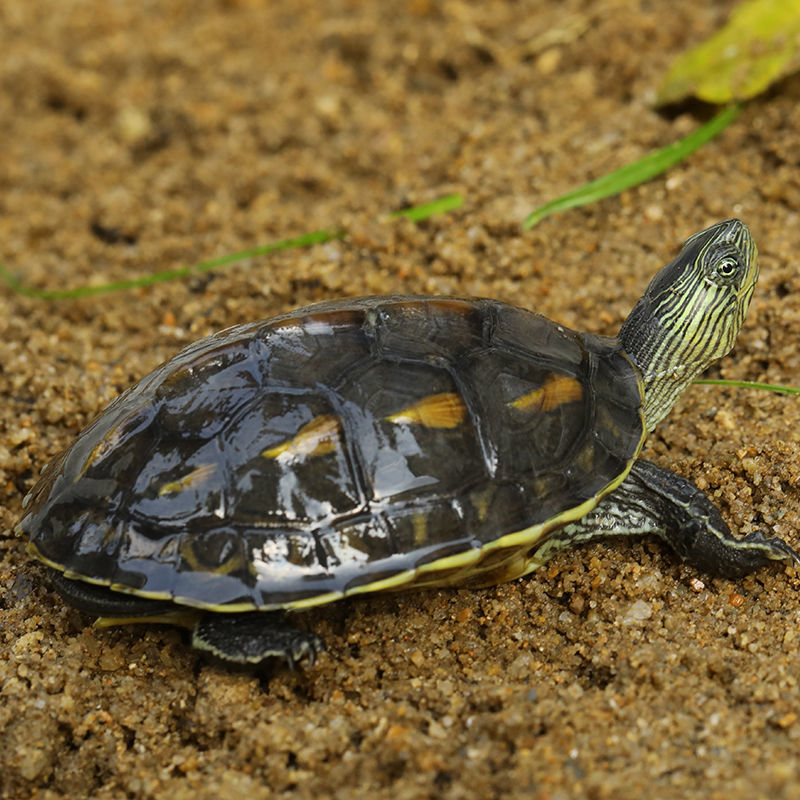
(304, 645)
(774, 548)
(253, 637)
(790, 555)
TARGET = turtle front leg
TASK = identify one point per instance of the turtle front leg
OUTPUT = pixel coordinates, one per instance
(253, 636)
(656, 501)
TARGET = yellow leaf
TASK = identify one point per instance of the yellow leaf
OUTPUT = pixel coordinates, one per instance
(759, 45)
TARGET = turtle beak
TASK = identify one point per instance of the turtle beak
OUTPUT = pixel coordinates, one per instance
(735, 232)
(751, 276)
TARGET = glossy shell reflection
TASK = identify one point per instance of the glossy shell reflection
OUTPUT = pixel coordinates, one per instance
(336, 447)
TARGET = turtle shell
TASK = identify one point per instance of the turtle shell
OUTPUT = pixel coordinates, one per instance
(349, 446)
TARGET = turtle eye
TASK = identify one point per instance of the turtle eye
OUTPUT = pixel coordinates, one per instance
(724, 266)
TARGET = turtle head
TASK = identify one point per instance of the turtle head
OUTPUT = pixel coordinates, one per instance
(691, 313)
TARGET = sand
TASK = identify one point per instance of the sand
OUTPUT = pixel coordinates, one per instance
(139, 137)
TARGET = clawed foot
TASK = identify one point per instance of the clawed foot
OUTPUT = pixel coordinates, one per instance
(303, 645)
(253, 637)
(773, 548)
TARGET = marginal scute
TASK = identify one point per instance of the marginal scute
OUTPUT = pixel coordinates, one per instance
(443, 328)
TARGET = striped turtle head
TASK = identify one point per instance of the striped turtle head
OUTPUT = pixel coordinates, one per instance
(691, 313)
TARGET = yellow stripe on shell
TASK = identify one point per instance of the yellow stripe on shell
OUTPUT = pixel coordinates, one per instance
(236, 561)
(445, 410)
(110, 440)
(190, 479)
(319, 437)
(419, 520)
(480, 501)
(556, 390)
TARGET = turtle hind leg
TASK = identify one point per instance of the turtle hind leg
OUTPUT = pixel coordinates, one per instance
(252, 637)
(653, 500)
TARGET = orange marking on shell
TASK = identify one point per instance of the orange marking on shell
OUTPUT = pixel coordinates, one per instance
(557, 390)
(316, 438)
(445, 410)
(196, 476)
(99, 451)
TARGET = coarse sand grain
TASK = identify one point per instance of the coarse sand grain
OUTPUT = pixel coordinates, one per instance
(146, 136)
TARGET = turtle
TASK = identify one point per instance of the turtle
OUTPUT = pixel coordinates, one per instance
(386, 443)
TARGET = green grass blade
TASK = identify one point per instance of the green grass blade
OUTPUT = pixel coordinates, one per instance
(769, 387)
(418, 213)
(638, 172)
(415, 214)
(308, 239)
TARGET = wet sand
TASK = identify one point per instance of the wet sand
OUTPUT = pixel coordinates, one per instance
(144, 137)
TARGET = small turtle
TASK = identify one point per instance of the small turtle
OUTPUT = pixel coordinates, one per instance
(387, 443)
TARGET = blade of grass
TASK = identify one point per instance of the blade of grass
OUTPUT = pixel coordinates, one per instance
(439, 206)
(638, 172)
(308, 239)
(769, 387)
(415, 214)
